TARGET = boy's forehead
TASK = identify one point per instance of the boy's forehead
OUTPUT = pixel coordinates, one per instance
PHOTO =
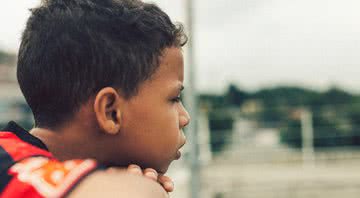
(171, 64)
(169, 75)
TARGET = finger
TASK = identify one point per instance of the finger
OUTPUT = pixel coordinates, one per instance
(134, 169)
(166, 182)
(111, 170)
(151, 174)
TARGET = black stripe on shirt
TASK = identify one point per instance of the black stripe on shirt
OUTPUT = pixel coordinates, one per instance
(6, 161)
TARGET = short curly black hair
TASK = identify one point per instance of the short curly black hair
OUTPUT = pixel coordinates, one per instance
(71, 49)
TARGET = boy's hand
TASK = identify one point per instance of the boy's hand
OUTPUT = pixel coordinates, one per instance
(152, 174)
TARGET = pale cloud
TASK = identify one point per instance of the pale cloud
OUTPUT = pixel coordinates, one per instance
(13, 15)
(254, 43)
(301, 42)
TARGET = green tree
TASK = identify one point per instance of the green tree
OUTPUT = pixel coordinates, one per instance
(6, 58)
(221, 126)
(327, 133)
(234, 96)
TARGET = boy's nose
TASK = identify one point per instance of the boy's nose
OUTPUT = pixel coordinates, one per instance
(184, 119)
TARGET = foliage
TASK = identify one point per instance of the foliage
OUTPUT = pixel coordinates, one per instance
(6, 58)
(327, 133)
(220, 130)
(234, 96)
(336, 113)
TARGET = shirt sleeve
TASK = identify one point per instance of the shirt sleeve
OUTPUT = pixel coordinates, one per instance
(45, 177)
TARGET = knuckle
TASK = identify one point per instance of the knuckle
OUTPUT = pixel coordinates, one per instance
(134, 166)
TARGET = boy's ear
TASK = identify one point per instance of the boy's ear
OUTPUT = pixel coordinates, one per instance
(107, 110)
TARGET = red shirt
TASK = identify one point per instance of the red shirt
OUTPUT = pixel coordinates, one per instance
(28, 169)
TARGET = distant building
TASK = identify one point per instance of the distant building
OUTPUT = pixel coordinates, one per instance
(12, 103)
(251, 107)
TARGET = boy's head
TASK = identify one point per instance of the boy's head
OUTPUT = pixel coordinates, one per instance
(121, 61)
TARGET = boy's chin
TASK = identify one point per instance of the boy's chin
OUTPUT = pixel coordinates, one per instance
(162, 170)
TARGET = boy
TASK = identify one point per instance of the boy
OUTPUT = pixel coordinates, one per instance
(103, 79)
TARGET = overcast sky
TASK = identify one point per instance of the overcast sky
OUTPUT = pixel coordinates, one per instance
(254, 43)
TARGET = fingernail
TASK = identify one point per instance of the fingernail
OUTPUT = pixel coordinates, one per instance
(133, 166)
(111, 170)
(169, 186)
(134, 169)
(151, 174)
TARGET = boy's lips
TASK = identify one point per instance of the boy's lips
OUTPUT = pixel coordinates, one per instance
(178, 155)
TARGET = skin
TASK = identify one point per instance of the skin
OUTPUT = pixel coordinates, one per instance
(145, 130)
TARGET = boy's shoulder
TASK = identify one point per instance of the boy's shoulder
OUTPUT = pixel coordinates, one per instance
(28, 169)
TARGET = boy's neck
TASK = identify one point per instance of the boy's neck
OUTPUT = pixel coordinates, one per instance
(68, 142)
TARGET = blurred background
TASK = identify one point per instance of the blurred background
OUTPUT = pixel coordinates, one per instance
(273, 88)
